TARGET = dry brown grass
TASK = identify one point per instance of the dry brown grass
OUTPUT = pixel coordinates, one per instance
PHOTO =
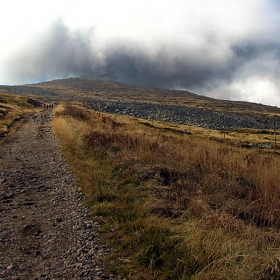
(12, 109)
(175, 206)
(108, 89)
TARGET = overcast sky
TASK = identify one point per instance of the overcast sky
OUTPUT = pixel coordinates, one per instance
(228, 49)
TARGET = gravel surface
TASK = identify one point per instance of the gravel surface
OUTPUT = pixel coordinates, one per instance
(44, 229)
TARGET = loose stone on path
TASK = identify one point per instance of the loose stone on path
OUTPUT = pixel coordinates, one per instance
(44, 229)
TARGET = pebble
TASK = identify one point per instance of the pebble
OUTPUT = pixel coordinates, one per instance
(45, 233)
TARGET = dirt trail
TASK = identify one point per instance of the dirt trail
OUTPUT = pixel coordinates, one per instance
(44, 230)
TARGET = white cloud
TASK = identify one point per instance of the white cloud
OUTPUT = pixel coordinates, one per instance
(257, 89)
(215, 47)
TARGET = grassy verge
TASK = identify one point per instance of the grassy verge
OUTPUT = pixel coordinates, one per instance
(174, 206)
(12, 109)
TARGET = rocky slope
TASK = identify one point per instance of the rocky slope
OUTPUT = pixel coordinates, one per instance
(204, 118)
(155, 104)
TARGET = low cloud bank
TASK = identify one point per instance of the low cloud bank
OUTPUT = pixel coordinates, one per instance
(222, 68)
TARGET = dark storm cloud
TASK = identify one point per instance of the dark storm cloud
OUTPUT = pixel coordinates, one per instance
(135, 65)
(257, 59)
(162, 70)
(60, 51)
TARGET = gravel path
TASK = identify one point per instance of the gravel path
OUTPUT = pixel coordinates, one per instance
(44, 230)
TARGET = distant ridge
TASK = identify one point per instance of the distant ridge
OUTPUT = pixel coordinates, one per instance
(81, 89)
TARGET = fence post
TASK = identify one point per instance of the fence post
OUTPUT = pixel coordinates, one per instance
(224, 125)
(274, 124)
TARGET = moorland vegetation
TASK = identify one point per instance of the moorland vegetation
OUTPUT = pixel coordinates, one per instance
(12, 109)
(174, 205)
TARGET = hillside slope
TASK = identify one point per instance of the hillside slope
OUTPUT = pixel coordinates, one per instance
(108, 89)
(174, 106)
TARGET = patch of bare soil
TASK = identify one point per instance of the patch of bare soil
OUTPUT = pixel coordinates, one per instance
(44, 229)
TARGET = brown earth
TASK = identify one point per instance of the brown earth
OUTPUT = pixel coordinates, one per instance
(44, 229)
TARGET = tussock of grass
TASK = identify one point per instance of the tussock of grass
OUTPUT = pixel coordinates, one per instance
(175, 206)
(12, 109)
